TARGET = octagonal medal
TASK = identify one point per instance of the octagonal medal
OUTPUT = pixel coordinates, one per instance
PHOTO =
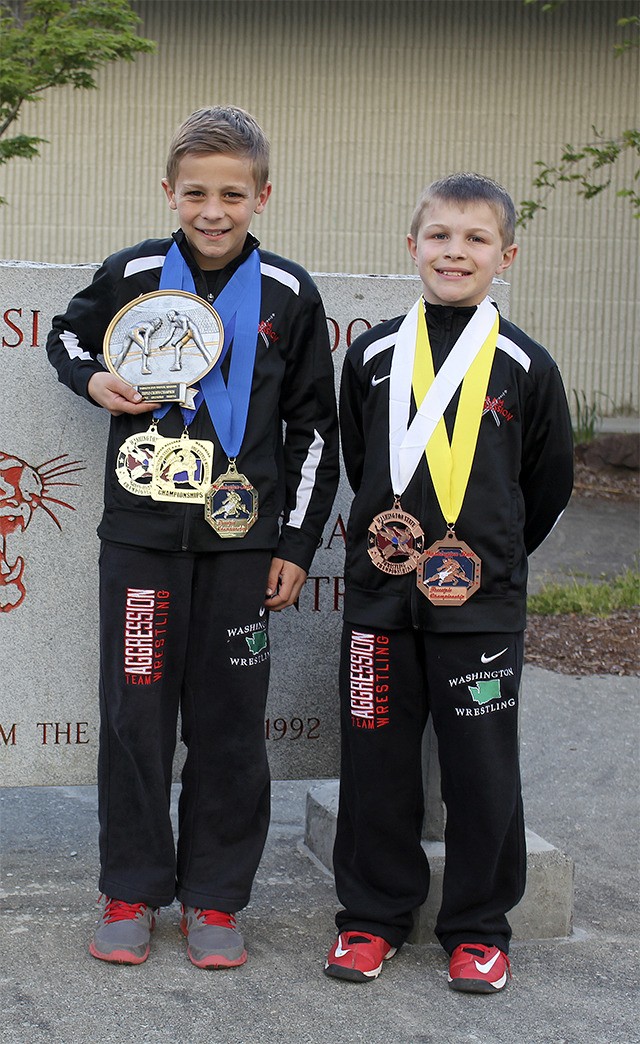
(448, 572)
(231, 504)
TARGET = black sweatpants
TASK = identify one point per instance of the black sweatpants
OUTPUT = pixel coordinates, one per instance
(389, 683)
(188, 633)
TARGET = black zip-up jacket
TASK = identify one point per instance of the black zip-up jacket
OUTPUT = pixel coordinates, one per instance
(520, 482)
(294, 471)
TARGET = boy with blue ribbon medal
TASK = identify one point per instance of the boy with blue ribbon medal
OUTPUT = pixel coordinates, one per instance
(449, 500)
(227, 402)
(211, 519)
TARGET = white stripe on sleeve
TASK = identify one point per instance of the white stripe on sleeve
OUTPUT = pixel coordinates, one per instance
(282, 276)
(72, 345)
(508, 346)
(143, 264)
(307, 481)
(378, 346)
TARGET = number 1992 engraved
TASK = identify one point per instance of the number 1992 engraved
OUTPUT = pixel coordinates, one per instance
(295, 728)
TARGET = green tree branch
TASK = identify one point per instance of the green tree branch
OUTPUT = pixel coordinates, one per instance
(588, 166)
(56, 43)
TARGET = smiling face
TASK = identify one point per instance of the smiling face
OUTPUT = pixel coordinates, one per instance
(215, 197)
(457, 251)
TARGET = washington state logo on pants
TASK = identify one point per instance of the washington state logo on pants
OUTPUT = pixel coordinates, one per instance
(248, 645)
(486, 692)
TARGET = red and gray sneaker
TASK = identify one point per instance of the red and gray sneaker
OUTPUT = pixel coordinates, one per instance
(213, 938)
(475, 968)
(123, 932)
(357, 956)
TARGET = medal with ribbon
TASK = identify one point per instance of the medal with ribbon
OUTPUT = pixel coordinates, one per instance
(396, 539)
(230, 501)
(448, 572)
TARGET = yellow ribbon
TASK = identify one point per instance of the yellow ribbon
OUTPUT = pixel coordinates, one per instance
(450, 464)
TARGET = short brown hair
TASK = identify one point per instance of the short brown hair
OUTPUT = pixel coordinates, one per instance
(466, 187)
(221, 128)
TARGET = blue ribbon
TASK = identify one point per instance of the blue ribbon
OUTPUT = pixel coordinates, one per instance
(238, 306)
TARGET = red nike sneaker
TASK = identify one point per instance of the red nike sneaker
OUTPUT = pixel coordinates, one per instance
(357, 956)
(475, 968)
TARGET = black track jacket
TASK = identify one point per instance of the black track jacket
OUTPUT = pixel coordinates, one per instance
(520, 480)
(295, 473)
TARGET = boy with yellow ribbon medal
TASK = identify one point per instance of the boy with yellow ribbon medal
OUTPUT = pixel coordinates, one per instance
(457, 443)
(211, 519)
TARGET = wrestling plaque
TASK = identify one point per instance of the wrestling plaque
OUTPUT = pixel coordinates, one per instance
(163, 342)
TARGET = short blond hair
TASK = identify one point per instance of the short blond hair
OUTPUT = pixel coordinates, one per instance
(467, 187)
(221, 128)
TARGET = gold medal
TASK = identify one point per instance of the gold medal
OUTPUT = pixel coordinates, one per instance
(231, 504)
(134, 465)
(182, 469)
(395, 541)
(448, 572)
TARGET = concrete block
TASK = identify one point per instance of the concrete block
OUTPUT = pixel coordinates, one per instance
(544, 912)
(320, 821)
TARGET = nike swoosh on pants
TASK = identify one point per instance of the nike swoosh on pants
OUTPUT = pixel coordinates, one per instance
(487, 659)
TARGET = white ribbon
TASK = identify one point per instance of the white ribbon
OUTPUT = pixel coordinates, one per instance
(407, 442)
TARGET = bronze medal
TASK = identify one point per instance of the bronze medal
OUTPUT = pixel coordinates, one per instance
(448, 572)
(182, 469)
(163, 342)
(395, 541)
(231, 504)
(134, 464)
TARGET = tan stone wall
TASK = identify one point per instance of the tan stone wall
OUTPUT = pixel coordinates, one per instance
(365, 102)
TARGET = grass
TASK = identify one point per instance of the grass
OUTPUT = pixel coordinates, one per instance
(587, 418)
(593, 599)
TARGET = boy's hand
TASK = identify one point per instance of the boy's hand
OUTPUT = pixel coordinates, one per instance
(284, 584)
(116, 396)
